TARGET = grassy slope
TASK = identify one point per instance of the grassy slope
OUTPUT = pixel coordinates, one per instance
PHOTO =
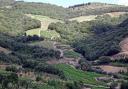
(83, 18)
(93, 17)
(71, 54)
(45, 21)
(78, 75)
(45, 44)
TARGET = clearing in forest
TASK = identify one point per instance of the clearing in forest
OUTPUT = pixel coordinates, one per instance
(43, 31)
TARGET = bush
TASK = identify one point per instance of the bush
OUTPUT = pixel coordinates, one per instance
(85, 65)
(124, 85)
(11, 68)
(113, 85)
(75, 85)
(38, 78)
(104, 60)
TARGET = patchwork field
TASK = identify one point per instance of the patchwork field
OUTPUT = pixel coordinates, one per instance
(78, 75)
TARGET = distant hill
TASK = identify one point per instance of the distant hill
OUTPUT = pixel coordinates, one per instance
(59, 12)
(6, 2)
(95, 9)
(44, 9)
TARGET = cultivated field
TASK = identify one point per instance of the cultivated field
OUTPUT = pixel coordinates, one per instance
(78, 75)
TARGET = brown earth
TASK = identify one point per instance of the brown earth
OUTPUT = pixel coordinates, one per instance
(112, 69)
(4, 50)
(124, 50)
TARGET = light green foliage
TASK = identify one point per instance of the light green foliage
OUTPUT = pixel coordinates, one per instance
(14, 23)
(43, 31)
(46, 34)
(45, 20)
(50, 34)
(84, 18)
(71, 54)
(33, 32)
(79, 75)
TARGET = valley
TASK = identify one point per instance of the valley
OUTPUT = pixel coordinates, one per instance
(44, 46)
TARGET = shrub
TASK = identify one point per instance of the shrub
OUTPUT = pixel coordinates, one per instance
(103, 60)
(11, 68)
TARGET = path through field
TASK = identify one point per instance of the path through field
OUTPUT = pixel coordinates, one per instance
(45, 21)
(63, 59)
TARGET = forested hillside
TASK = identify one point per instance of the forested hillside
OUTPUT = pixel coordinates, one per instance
(14, 22)
(84, 54)
(71, 31)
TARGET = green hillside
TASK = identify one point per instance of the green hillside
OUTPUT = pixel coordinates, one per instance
(41, 9)
(95, 9)
(104, 42)
(44, 46)
(14, 22)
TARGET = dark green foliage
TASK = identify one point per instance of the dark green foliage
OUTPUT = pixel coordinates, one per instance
(124, 85)
(104, 43)
(95, 38)
(113, 85)
(28, 56)
(9, 58)
(49, 69)
(104, 60)
(6, 79)
(11, 68)
(124, 24)
(26, 39)
(38, 78)
(32, 51)
(85, 65)
(75, 85)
